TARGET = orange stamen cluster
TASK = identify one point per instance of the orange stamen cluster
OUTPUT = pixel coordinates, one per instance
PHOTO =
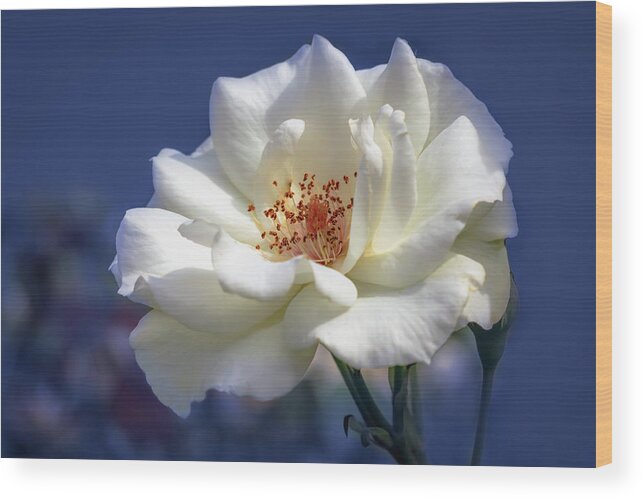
(308, 219)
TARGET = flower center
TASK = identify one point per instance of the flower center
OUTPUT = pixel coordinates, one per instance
(308, 219)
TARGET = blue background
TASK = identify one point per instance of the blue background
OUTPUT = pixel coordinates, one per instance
(89, 96)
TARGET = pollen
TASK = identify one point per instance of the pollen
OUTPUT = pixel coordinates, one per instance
(309, 219)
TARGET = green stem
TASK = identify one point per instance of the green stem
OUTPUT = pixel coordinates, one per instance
(414, 428)
(400, 391)
(403, 438)
(404, 454)
(359, 391)
(483, 414)
(416, 398)
(405, 448)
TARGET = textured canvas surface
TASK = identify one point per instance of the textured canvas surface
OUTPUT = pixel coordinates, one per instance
(89, 96)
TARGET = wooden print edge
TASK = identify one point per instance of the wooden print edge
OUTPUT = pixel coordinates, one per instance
(603, 234)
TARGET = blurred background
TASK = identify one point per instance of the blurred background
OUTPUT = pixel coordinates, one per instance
(72, 389)
(89, 96)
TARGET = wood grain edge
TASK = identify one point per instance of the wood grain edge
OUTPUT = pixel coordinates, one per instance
(603, 234)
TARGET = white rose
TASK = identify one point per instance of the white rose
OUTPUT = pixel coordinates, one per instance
(389, 213)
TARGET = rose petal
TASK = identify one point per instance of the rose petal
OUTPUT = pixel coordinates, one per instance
(326, 96)
(196, 187)
(154, 202)
(400, 191)
(181, 365)
(206, 146)
(148, 243)
(452, 180)
(386, 327)
(243, 270)
(329, 283)
(414, 259)
(369, 192)
(486, 304)
(450, 99)
(492, 222)
(277, 164)
(200, 232)
(401, 86)
(454, 172)
(238, 117)
(195, 298)
(368, 77)
(318, 85)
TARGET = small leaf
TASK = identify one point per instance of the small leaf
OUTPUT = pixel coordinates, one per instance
(368, 435)
(352, 423)
(347, 420)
